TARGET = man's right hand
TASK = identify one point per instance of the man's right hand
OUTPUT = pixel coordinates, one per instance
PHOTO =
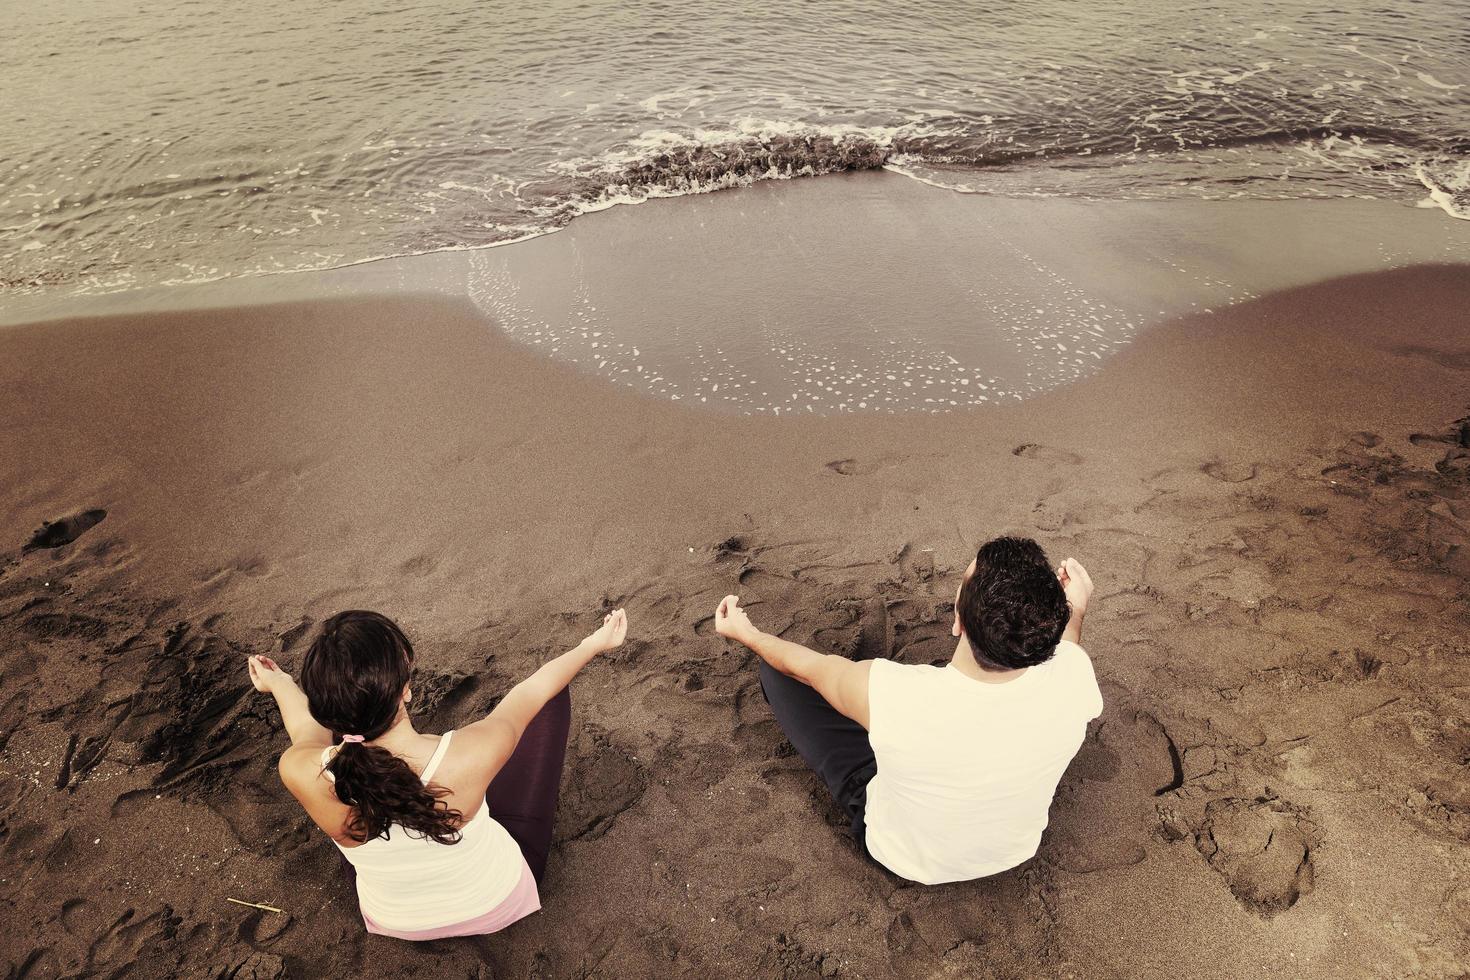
(1077, 584)
(732, 623)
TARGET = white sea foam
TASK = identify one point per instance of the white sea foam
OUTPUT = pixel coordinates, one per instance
(1433, 82)
(663, 163)
(1450, 194)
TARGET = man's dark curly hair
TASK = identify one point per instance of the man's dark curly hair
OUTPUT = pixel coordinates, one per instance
(1013, 609)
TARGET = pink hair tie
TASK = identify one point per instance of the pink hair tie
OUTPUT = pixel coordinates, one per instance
(352, 738)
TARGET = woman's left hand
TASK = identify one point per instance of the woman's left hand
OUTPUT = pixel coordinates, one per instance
(614, 630)
(266, 674)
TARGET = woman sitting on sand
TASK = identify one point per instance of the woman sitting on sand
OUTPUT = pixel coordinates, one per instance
(446, 835)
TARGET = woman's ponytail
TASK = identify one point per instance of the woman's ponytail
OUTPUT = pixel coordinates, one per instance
(382, 790)
(354, 676)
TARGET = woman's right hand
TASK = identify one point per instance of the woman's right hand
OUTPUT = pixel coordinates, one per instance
(612, 633)
(266, 674)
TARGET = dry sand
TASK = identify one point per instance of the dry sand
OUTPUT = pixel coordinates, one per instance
(1274, 501)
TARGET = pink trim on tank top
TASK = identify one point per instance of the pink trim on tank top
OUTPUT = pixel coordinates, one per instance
(523, 899)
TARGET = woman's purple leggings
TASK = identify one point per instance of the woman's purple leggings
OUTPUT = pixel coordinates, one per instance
(522, 796)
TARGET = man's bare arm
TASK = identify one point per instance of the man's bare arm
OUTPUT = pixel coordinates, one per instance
(842, 682)
(1077, 584)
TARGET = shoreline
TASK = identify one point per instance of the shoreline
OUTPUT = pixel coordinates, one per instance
(1438, 197)
(1272, 498)
(863, 293)
(1396, 224)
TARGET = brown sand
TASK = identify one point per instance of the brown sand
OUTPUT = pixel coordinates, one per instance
(1274, 501)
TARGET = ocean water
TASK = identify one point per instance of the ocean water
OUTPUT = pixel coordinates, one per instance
(191, 140)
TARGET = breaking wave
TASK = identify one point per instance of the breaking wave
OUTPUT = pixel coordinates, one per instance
(1362, 161)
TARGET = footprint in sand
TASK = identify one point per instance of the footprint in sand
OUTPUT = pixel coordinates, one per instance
(1047, 454)
(1456, 460)
(903, 940)
(920, 631)
(1104, 803)
(249, 566)
(605, 782)
(178, 703)
(291, 635)
(847, 467)
(1262, 848)
(52, 626)
(866, 636)
(63, 852)
(448, 700)
(54, 534)
(76, 916)
(129, 936)
(762, 582)
(915, 565)
(857, 467)
(418, 566)
(993, 932)
(1427, 438)
(1227, 472)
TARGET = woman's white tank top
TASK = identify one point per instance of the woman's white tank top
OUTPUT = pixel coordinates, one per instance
(408, 883)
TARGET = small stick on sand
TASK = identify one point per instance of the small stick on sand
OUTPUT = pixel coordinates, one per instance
(255, 905)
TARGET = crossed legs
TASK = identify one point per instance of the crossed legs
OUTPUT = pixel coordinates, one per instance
(834, 746)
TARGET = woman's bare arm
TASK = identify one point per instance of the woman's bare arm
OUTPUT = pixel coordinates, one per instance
(500, 731)
(267, 676)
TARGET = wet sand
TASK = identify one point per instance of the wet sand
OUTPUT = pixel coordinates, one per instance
(1274, 500)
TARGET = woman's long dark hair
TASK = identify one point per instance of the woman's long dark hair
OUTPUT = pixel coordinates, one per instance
(353, 677)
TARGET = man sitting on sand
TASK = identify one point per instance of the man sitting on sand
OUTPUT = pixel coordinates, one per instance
(947, 773)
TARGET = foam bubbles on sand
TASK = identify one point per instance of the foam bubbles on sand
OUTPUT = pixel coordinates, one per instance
(797, 326)
(1064, 329)
(874, 294)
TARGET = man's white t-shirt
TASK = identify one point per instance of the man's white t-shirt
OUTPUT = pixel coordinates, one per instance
(966, 769)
